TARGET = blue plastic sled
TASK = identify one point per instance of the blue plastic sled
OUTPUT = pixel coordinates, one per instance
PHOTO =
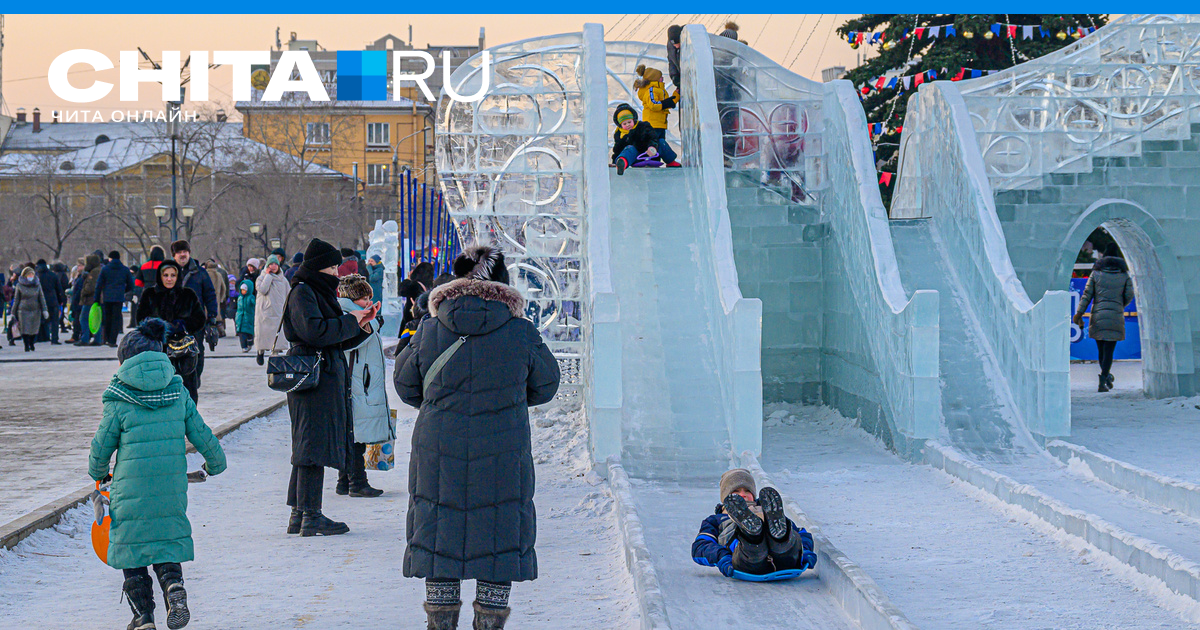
(787, 574)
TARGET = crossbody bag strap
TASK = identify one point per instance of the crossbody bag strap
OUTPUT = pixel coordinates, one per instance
(439, 363)
(282, 317)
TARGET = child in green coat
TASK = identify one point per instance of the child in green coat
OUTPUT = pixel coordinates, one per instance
(244, 319)
(147, 415)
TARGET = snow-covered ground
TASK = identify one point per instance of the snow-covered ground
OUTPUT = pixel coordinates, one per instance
(249, 574)
(948, 555)
(1158, 435)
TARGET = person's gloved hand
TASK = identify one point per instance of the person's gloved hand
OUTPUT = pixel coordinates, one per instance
(725, 564)
(808, 560)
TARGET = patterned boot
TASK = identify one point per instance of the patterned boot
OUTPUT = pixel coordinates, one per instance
(489, 618)
(139, 590)
(439, 617)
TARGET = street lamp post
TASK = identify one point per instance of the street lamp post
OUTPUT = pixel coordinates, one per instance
(162, 211)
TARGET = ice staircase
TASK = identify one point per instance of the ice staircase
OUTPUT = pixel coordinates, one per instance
(672, 422)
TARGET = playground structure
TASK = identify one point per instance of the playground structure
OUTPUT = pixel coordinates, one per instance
(803, 289)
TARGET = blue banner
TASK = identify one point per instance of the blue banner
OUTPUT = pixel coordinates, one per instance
(1084, 349)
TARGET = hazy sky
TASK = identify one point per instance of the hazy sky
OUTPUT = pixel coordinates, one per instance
(31, 42)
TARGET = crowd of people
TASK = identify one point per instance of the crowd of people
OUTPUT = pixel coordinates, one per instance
(471, 362)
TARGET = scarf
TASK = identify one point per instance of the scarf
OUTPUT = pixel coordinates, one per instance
(323, 285)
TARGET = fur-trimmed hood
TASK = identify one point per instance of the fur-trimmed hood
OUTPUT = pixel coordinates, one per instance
(482, 289)
(475, 307)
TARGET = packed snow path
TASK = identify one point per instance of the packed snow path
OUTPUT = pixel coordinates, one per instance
(947, 555)
(249, 574)
(672, 425)
(700, 597)
(52, 408)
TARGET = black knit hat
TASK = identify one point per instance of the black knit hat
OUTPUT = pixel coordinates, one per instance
(320, 255)
(481, 263)
(149, 336)
(674, 31)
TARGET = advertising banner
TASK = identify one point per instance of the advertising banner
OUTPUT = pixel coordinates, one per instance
(1082, 346)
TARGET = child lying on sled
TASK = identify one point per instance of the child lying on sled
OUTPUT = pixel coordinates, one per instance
(749, 535)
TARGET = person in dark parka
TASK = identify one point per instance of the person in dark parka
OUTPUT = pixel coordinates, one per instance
(322, 429)
(167, 299)
(56, 294)
(1109, 290)
(470, 476)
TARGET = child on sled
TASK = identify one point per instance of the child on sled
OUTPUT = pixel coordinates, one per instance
(751, 535)
(634, 138)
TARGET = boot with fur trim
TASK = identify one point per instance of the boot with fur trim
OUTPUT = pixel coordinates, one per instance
(139, 590)
(489, 618)
(441, 617)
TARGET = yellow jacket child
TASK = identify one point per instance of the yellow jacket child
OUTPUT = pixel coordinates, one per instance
(655, 100)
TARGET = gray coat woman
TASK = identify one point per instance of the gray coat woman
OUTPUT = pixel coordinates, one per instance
(29, 303)
(470, 475)
(271, 292)
(1109, 290)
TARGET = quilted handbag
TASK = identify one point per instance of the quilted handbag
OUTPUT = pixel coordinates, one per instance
(184, 353)
(292, 372)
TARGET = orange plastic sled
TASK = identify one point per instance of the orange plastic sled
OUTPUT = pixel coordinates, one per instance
(101, 524)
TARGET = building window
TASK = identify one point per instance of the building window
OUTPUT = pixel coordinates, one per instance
(379, 134)
(377, 174)
(318, 133)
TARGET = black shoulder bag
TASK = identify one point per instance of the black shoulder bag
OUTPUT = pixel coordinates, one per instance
(292, 372)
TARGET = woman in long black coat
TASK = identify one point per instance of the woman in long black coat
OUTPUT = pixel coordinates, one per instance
(179, 306)
(470, 475)
(322, 428)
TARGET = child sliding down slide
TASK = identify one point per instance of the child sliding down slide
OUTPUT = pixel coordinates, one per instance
(634, 138)
(747, 537)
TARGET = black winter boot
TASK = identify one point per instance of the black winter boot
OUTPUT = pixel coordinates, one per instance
(170, 578)
(772, 506)
(747, 521)
(343, 486)
(440, 617)
(1111, 380)
(139, 590)
(315, 523)
(365, 490)
(294, 521)
(489, 618)
(1103, 384)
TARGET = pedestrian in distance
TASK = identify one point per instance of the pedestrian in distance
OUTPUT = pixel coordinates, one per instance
(749, 533)
(88, 297)
(349, 262)
(322, 429)
(114, 282)
(29, 306)
(470, 475)
(373, 421)
(295, 266)
(147, 415)
(177, 305)
(273, 289)
(1109, 291)
(375, 276)
(55, 293)
(78, 277)
(244, 322)
(194, 277)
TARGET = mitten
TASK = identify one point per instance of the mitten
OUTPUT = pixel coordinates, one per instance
(808, 560)
(725, 564)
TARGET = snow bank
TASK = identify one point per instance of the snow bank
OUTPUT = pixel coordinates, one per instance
(1171, 570)
(1168, 492)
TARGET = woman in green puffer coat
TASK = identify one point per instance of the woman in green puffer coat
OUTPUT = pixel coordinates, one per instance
(147, 416)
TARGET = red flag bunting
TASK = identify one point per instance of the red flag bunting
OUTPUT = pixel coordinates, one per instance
(885, 179)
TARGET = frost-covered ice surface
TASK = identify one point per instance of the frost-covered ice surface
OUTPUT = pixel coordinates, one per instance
(249, 574)
(946, 554)
(1158, 435)
(700, 597)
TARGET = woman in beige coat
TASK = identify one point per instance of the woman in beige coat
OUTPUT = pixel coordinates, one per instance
(272, 291)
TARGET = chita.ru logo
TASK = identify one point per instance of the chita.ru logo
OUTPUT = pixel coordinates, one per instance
(361, 75)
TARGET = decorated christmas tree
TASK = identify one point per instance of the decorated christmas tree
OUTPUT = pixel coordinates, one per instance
(903, 51)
